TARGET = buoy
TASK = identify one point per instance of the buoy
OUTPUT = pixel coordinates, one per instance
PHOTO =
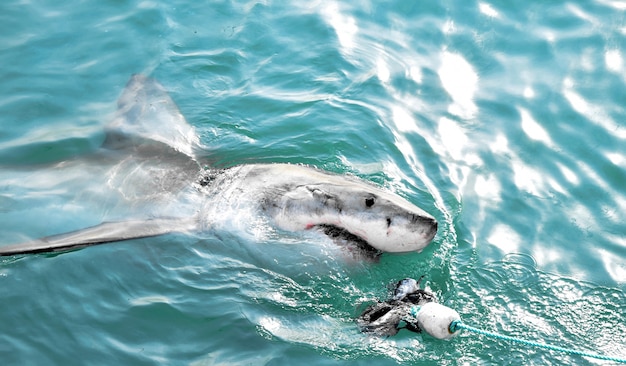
(419, 312)
(435, 319)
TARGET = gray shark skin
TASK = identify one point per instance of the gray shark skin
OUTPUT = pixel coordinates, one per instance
(149, 167)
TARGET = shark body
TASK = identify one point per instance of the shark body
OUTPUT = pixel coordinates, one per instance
(150, 164)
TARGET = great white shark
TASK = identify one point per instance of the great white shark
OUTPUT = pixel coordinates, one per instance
(149, 164)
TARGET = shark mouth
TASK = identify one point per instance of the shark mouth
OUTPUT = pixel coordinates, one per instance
(352, 243)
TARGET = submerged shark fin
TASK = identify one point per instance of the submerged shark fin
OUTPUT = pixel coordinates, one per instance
(104, 233)
(146, 112)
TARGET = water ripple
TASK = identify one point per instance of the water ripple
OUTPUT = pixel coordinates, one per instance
(505, 120)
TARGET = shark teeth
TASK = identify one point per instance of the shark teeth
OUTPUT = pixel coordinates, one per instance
(351, 242)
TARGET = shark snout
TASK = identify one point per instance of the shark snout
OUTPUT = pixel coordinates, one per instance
(427, 225)
(433, 229)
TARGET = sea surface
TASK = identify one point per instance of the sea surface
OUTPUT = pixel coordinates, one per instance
(505, 120)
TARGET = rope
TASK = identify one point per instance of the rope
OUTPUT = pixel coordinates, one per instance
(458, 324)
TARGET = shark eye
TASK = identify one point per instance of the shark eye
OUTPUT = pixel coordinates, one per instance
(369, 201)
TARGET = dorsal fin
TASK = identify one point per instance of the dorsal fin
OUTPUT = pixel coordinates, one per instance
(146, 112)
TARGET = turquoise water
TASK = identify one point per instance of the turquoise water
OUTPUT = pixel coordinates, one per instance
(504, 120)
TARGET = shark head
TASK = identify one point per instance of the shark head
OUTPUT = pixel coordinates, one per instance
(339, 204)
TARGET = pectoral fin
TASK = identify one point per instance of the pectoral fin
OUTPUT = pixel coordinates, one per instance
(106, 232)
